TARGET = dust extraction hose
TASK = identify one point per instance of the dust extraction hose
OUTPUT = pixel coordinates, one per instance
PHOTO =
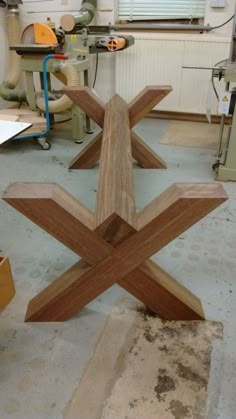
(83, 17)
(63, 103)
(7, 88)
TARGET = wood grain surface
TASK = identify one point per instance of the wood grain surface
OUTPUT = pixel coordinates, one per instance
(145, 101)
(115, 195)
(88, 101)
(146, 282)
(61, 215)
(139, 107)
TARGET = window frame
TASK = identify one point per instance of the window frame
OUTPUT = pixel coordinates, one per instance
(194, 20)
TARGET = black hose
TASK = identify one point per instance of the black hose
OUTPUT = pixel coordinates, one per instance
(223, 24)
(96, 71)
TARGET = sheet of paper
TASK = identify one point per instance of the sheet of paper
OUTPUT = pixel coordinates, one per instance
(10, 129)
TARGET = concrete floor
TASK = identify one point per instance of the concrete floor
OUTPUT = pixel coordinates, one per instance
(41, 364)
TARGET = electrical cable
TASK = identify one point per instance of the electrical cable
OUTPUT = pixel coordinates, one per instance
(96, 71)
(214, 86)
(223, 24)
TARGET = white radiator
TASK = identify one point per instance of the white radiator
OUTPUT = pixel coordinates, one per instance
(159, 58)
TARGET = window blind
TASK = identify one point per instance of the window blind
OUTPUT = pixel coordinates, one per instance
(161, 9)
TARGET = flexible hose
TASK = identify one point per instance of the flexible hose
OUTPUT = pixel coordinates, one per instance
(63, 103)
(14, 37)
(7, 91)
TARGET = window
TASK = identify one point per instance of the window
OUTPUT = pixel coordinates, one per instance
(161, 9)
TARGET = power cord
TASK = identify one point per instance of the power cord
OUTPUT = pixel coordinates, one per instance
(96, 71)
(223, 24)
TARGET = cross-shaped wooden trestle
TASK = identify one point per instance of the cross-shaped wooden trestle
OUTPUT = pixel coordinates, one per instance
(115, 242)
(138, 108)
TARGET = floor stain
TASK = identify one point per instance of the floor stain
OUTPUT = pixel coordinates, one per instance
(175, 254)
(146, 313)
(12, 406)
(193, 257)
(19, 270)
(213, 261)
(35, 274)
(178, 410)
(164, 385)
(37, 363)
(187, 373)
(25, 384)
(133, 403)
(179, 244)
(149, 336)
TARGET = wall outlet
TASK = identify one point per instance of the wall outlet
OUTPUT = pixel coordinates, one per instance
(218, 3)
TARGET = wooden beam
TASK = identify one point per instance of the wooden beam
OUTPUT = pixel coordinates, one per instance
(162, 293)
(144, 155)
(89, 156)
(165, 218)
(90, 103)
(146, 100)
(115, 194)
(62, 299)
(153, 286)
(61, 215)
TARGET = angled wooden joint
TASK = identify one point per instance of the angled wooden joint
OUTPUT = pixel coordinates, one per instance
(138, 108)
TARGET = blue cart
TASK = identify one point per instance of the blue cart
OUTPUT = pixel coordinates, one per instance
(42, 136)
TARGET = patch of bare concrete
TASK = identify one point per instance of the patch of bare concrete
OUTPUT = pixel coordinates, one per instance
(144, 367)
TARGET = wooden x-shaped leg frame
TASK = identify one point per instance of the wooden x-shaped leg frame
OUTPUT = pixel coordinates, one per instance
(138, 108)
(115, 242)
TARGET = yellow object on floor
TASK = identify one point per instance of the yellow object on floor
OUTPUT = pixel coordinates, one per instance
(7, 289)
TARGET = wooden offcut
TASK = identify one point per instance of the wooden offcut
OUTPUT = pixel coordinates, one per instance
(115, 241)
(36, 123)
(7, 288)
(138, 108)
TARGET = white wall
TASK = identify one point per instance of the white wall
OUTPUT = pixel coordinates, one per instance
(32, 11)
(215, 17)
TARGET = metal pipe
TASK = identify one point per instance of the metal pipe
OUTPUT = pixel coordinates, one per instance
(195, 67)
(83, 17)
(162, 26)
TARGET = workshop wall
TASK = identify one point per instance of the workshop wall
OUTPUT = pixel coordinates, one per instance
(33, 10)
(215, 17)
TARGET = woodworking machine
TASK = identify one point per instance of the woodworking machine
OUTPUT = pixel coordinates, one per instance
(225, 165)
(76, 39)
(38, 40)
